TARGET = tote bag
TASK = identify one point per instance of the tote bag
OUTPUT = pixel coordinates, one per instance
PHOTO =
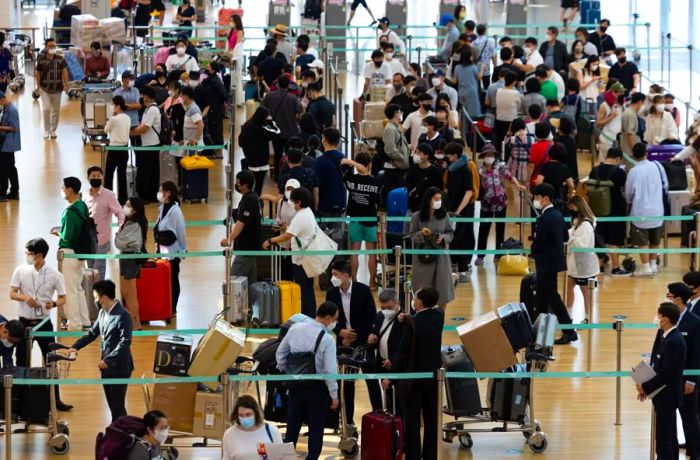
(314, 265)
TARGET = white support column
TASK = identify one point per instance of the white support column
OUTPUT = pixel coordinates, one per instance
(10, 13)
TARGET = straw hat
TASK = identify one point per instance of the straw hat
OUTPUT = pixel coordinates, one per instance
(280, 29)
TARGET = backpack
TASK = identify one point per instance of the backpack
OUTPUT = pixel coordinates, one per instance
(571, 109)
(118, 439)
(303, 363)
(165, 135)
(599, 241)
(599, 193)
(87, 242)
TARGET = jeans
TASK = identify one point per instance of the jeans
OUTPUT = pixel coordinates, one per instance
(8, 174)
(485, 229)
(117, 161)
(100, 264)
(308, 296)
(75, 309)
(50, 109)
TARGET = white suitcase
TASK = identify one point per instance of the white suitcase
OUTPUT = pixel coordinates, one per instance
(90, 276)
(239, 302)
(131, 178)
(168, 166)
(677, 199)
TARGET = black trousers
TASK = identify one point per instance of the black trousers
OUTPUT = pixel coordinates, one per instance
(691, 424)
(117, 161)
(666, 433)
(287, 268)
(259, 181)
(548, 298)
(464, 239)
(393, 178)
(500, 129)
(421, 402)
(279, 145)
(116, 396)
(311, 405)
(147, 174)
(175, 281)
(485, 229)
(216, 126)
(308, 296)
(8, 174)
(373, 388)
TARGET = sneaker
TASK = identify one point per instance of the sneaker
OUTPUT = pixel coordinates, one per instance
(372, 23)
(455, 278)
(53, 135)
(46, 134)
(619, 273)
(643, 273)
(654, 268)
(463, 277)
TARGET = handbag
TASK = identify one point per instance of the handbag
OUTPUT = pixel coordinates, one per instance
(314, 265)
(428, 258)
(513, 265)
(196, 162)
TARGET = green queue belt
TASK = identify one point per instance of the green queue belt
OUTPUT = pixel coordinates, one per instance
(161, 148)
(350, 377)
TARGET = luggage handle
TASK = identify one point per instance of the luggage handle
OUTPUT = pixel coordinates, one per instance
(276, 263)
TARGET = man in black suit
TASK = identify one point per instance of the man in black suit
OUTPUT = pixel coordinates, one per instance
(692, 280)
(419, 351)
(548, 251)
(355, 321)
(113, 324)
(689, 325)
(668, 361)
(386, 336)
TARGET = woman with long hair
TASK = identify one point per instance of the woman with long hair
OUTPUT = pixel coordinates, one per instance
(131, 239)
(589, 77)
(467, 76)
(661, 127)
(170, 235)
(580, 266)
(576, 54)
(234, 45)
(254, 139)
(443, 101)
(431, 229)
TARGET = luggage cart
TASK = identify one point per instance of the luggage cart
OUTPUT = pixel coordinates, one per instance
(58, 364)
(536, 360)
(350, 361)
(95, 107)
(18, 50)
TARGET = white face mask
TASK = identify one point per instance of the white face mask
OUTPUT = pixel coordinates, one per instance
(7, 343)
(389, 314)
(437, 204)
(128, 212)
(171, 93)
(181, 51)
(305, 84)
(288, 194)
(537, 204)
(594, 67)
(332, 326)
(159, 197)
(440, 156)
(489, 160)
(669, 107)
(336, 282)
(53, 51)
(192, 83)
(656, 321)
(416, 159)
(161, 435)
(63, 194)
(660, 107)
(30, 260)
(388, 56)
(435, 81)
(130, 83)
(527, 51)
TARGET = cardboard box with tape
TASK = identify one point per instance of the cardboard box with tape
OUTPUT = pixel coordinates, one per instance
(374, 111)
(176, 400)
(487, 344)
(209, 415)
(217, 351)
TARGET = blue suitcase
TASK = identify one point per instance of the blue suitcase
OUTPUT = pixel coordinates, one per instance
(396, 205)
(195, 185)
(75, 70)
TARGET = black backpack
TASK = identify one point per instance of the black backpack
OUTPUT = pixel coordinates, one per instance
(87, 242)
(165, 135)
(303, 363)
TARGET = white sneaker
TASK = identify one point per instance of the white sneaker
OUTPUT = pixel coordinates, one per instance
(53, 135)
(46, 134)
(654, 267)
(643, 273)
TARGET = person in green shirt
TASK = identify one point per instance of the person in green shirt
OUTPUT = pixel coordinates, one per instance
(72, 221)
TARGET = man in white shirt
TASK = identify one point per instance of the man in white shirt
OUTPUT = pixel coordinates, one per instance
(193, 126)
(118, 128)
(414, 120)
(439, 87)
(532, 56)
(33, 286)
(386, 35)
(395, 64)
(147, 161)
(377, 73)
(645, 188)
(180, 60)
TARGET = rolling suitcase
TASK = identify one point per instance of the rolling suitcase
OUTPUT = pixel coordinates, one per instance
(195, 185)
(153, 291)
(463, 399)
(545, 328)
(382, 435)
(528, 293)
(265, 303)
(517, 325)
(90, 275)
(509, 397)
(131, 177)
(35, 404)
(290, 299)
(678, 199)
(240, 296)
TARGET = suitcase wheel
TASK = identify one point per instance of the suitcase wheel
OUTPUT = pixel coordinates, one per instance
(465, 441)
(537, 442)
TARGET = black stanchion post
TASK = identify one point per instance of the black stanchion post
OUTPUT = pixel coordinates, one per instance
(7, 383)
(617, 325)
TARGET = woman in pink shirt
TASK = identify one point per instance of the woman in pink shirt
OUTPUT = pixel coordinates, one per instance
(235, 35)
(235, 40)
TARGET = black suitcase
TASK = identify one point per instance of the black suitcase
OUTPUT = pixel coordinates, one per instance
(17, 373)
(528, 294)
(517, 325)
(675, 172)
(35, 398)
(195, 185)
(509, 397)
(463, 397)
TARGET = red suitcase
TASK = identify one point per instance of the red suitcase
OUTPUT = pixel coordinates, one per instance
(153, 291)
(382, 436)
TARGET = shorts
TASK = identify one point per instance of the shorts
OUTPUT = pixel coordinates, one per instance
(357, 233)
(356, 3)
(129, 269)
(581, 281)
(645, 236)
(613, 233)
(570, 3)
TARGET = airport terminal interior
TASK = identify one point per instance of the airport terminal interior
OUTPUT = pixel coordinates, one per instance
(581, 415)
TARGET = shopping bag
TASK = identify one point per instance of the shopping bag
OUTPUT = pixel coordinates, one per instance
(513, 265)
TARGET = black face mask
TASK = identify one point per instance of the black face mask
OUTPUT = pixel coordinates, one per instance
(622, 60)
(603, 28)
(427, 106)
(95, 183)
(378, 64)
(159, 74)
(573, 213)
(441, 124)
(621, 99)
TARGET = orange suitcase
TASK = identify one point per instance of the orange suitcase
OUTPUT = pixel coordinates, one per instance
(290, 299)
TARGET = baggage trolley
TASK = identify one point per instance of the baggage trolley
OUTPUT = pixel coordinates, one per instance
(536, 360)
(350, 361)
(58, 363)
(95, 107)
